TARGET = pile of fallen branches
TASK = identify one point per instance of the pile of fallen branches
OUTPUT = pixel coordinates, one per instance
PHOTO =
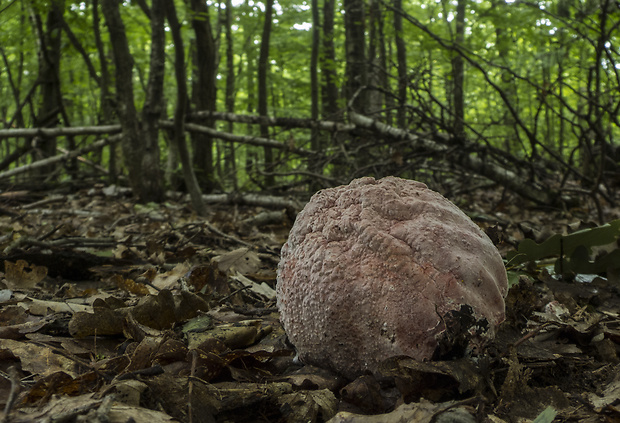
(364, 146)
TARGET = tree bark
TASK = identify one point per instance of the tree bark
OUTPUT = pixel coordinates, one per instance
(144, 180)
(458, 73)
(375, 98)
(401, 58)
(315, 135)
(153, 105)
(106, 111)
(107, 108)
(230, 165)
(204, 92)
(355, 44)
(329, 88)
(263, 68)
(384, 76)
(314, 71)
(48, 40)
(179, 115)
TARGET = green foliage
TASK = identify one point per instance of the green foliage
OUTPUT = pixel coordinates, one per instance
(547, 415)
(534, 79)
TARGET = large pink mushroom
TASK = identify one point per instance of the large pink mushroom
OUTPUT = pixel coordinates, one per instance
(380, 268)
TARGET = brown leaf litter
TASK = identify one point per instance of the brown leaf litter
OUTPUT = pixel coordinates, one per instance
(153, 314)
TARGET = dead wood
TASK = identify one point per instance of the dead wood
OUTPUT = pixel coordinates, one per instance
(261, 200)
(275, 121)
(463, 157)
(58, 132)
(243, 139)
(61, 157)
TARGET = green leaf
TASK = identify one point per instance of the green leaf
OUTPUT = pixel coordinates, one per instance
(580, 262)
(546, 416)
(566, 245)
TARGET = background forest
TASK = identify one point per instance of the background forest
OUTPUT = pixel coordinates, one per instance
(241, 95)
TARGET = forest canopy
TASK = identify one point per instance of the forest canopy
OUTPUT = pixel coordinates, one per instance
(287, 95)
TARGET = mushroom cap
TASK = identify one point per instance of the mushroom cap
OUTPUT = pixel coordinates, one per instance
(381, 268)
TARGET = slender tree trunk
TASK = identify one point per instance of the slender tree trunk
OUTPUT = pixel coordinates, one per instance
(106, 107)
(329, 89)
(458, 72)
(356, 67)
(263, 68)
(561, 112)
(314, 71)
(250, 155)
(315, 135)
(600, 96)
(374, 97)
(48, 53)
(204, 90)
(144, 178)
(15, 90)
(230, 160)
(401, 58)
(384, 76)
(179, 115)
(153, 105)
(504, 44)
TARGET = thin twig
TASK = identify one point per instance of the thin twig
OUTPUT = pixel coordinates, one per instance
(15, 388)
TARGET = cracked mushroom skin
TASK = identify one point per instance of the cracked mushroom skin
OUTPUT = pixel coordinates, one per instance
(381, 268)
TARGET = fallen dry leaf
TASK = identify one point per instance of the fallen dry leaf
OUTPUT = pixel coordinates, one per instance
(38, 359)
(235, 363)
(243, 260)
(21, 275)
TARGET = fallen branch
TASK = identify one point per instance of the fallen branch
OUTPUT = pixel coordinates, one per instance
(61, 157)
(275, 121)
(13, 376)
(490, 170)
(269, 201)
(57, 132)
(244, 139)
(71, 242)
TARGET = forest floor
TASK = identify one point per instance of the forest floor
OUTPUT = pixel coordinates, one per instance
(112, 311)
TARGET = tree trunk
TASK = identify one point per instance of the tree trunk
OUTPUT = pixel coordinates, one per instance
(48, 40)
(179, 115)
(329, 88)
(315, 136)
(314, 72)
(230, 165)
(355, 43)
(458, 73)
(401, 58)
(144, 179)
(153, 104)
(204, 89)
(263, 67)
(106, 101)
(384, 75)
(375, 97)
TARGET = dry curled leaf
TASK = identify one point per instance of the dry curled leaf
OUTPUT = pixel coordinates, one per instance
(21, 275)
(131, 286)
(243, 260)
